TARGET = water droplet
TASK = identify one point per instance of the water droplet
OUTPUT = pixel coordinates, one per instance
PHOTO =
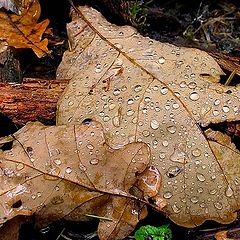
(218, 205)
(162, 155)
(137, 88)
(118, 45)
(167, 195)
(19, 166)
(183, 84)
(173, 171)
(68, 170)
(201, 177)
(172, 129)
(145, 133)
(58, 161)
(147, 99)
(226, 109)
(212, 191)
(116, 121)
(179, 154)
(175, 105)
(229, 191)
(82, 168)
(165, 143)
(106, 118)
(194, 199)
(217, 102)
(161, 60)
(98, 68)
(164, 90)
(194, 96)
(196, 152)
(94, 161)
(118, 62)
(90, 146)
(130, 112)
(112, 106)
(192, 85)
(215, 112)
(175, 208)
(154, 124)
(116, 92)
(70, 103)
(130, 101)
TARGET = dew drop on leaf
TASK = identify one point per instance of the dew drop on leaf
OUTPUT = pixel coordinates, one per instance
(167, 195)
(201, 177)
(218, 205)
(94, 161)
(229, 191)
(194, 96)
(68, 170)
(225, 109)
(154, 124)
(161, 60)
(196, 152)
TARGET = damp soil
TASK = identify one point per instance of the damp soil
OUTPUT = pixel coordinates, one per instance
(210, 25)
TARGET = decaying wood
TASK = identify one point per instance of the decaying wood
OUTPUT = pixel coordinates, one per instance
(33, 100)
(227, 62)
(117, 8)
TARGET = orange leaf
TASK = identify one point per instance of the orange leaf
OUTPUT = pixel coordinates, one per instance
(222, 235)
(24, 31)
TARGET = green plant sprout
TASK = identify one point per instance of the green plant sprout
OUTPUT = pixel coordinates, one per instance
(154, 233)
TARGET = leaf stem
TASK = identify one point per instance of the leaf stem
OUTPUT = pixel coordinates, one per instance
(99, 217)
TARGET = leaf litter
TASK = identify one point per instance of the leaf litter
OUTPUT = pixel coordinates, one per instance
(142, 90)
(70, 172)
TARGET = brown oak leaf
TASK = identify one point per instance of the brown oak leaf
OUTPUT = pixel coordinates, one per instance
(69, 171)
(142, 90)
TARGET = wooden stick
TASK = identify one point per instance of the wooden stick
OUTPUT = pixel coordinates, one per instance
(32, 100)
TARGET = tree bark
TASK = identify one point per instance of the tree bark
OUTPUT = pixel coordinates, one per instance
(32, 100)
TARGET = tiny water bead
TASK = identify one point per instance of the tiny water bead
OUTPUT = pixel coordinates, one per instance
(229, 191)
(201, 177)
(167, 195)
(194, 96)
(196, 152)
(154, 124)
(161, 60)
(226, 109)
(94, 161)
(68, 170)
(172, 129)
(164, 90)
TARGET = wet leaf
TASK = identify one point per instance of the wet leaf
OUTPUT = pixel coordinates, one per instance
(223, 236)
(23, 31)
(154, 233)
(142, 90)
(68, 172)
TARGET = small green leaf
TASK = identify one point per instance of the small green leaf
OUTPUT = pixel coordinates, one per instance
(153, 233)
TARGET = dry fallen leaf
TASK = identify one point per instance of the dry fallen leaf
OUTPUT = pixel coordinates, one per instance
(142, 90)
(222, 235)
(23, 31)
(69, 171)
